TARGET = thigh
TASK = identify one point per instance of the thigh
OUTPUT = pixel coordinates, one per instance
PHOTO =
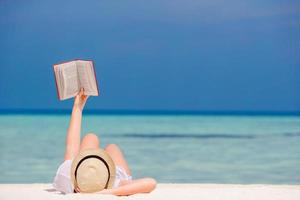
(116, 154)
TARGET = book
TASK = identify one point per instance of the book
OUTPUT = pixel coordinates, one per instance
(73, 75)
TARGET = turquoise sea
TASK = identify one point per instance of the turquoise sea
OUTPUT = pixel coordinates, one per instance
(170, 148)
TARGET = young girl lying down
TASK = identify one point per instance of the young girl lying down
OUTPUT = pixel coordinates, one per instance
(87, 168)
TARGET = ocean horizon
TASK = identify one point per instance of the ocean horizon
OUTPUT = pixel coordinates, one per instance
(149, 112)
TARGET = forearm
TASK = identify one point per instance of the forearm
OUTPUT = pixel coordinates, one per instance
(129, 189)
(73, 133)
(136, 186)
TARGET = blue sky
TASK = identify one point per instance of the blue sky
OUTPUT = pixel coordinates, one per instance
(155, 55)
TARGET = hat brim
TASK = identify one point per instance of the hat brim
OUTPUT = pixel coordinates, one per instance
(95, 152)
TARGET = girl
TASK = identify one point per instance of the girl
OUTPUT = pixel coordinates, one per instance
(123, 184)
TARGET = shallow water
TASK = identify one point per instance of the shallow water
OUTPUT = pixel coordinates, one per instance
(199, 149)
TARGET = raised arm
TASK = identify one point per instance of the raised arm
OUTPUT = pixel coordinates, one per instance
(73, 133)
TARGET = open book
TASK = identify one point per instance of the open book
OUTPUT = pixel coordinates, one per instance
(71, 76)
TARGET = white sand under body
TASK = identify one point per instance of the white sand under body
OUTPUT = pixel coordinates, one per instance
(162, 192)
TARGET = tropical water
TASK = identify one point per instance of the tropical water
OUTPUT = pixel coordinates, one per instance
(170, 148)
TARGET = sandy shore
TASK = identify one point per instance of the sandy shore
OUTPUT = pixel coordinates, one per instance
(163, 191)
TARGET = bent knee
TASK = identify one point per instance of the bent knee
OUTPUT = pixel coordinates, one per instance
(90, 140)
(111, 146)
(151, 182)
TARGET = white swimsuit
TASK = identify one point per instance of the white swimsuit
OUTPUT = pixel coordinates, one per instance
(62, 179)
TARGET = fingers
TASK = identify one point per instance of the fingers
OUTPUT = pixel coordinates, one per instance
(77, 189)
(85, 97)
(81, 97)
(81, 92)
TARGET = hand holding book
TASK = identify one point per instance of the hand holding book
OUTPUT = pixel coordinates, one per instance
(80, 100)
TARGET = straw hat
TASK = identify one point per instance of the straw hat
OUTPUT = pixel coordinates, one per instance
(93, 170)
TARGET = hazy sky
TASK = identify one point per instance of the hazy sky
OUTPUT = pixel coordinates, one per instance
(169, 55)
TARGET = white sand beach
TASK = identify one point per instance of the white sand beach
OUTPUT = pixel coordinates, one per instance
(163, 191)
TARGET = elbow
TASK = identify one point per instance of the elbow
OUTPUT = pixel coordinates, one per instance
(151, 184)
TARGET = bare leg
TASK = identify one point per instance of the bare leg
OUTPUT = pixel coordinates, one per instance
(90, 141)
(116, 154)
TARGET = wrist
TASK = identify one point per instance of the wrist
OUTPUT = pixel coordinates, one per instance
(77, 108)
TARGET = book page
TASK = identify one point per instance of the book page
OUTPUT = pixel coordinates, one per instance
(70, 80)
(87, 77)
(58, 78)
